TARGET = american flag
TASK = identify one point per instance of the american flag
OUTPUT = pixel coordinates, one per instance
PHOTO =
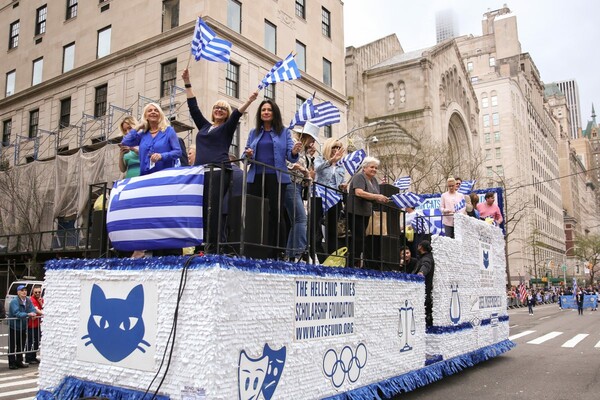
(466, 187)
(402, 183)
(353, 160)
(206, 44)
(162, 210)
(522, 292)
(304, 113)
(330, 197)
(326, 114)
(284, 70)
(460, 205)
(408, 199)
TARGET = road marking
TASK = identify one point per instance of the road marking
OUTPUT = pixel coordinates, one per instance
(544, 338)
(576, 339)
(513, 326)
(33, 391)
(548, 316)
(18, 383)
(597, 344)
(519, 335)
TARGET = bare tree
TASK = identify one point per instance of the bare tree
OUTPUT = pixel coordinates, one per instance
(587, 247)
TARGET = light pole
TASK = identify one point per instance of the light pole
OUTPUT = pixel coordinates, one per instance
(369, 125)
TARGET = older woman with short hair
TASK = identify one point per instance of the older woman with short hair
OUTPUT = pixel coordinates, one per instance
(363, 191)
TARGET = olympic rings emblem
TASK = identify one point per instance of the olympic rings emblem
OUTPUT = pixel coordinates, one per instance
(347, 365)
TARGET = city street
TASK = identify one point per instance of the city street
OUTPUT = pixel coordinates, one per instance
(557, 357)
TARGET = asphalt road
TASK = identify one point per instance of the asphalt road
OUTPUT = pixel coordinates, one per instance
(553, 360)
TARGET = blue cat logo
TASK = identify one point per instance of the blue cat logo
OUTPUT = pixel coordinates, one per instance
(115, 327)
(260, 375)
(486, 259)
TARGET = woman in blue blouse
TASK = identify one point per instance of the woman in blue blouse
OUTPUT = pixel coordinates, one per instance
(157, 141)
(271, 143)
(213, 140)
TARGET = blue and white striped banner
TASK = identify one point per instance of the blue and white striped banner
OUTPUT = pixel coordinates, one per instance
(353, 161)
(466, 187)
(402, 183)
(408, 199)
(284, 70)
(157, 211)
(430, 222)
(330, 197)
(460, 205)
(304, 113)
(326, 114)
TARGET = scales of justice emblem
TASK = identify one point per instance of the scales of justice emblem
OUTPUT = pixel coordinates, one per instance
(406, 326)
(454, 304)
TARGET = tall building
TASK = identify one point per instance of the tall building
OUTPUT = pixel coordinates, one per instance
(446, 25)
(520, 143)
(73, 69)
(571, 92)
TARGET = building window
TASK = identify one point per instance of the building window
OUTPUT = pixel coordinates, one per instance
(10, 83)
(299, 102)
(487, 136)
(100, 101)
(71, 9)
(234, 148)
(6, 131)
(40, 20)
(496, 119)
(13, 35)
(301, 55)
(498, 152)
(232, 80)
(325, 22)
(34, 119)
(494, 99)
(490, 171)
(301, 9)
(474, 79)
(485, 102)
(68, 57)
(496, 136)
(492, 61)
(499, 170)
(65, 113)
(469, 66)
(103, 42)
(488, 154)
(168, 77)
(234, 15)
(269, 92)
(327, 131)
(270, 37)
(38, 69)
(486, 121)
(170, 14)
(326, 72)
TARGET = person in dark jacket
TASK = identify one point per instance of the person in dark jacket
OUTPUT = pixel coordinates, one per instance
(19, 309)
(425, 267)
(579, 297)
(407, 262)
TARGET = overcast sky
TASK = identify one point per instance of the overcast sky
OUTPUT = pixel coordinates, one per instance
(562, 36)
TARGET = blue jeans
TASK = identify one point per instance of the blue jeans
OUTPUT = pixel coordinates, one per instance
(296, 243)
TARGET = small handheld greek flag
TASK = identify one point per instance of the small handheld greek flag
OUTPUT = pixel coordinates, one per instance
(284, 70)
(162, 210)
(326, 114)
(460, 205)
(304, 113)
(353, 161)
(402, 183)
(408, 199)
(466, 187)
(330, 197)
(206, 44)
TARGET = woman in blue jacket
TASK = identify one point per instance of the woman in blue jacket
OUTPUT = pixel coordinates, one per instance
(158, 144)
(271, 143)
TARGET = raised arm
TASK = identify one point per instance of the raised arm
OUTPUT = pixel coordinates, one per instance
(251, 98)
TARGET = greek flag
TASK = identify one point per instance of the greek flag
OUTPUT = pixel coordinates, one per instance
(408, 199)
(157, 211)
(304, 113)
(460, 205)
(285, 70)
(206, 44)
(326, 114)
(466, 187)
(402, 183)
(353, 160)
(330, 197)
(574, 287)
(430, 222)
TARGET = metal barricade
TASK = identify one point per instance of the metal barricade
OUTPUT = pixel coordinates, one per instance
(20, 338)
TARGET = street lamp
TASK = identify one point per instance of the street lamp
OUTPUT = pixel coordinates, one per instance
(369, 125)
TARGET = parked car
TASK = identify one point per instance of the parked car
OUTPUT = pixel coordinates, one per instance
(12, 291)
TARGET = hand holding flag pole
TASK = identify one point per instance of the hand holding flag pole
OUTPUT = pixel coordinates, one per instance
(283, 70)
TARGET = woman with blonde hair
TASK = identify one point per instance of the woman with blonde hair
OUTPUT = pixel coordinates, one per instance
(449, 201)
(129, 159)
(158, 144)
(331, 176)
